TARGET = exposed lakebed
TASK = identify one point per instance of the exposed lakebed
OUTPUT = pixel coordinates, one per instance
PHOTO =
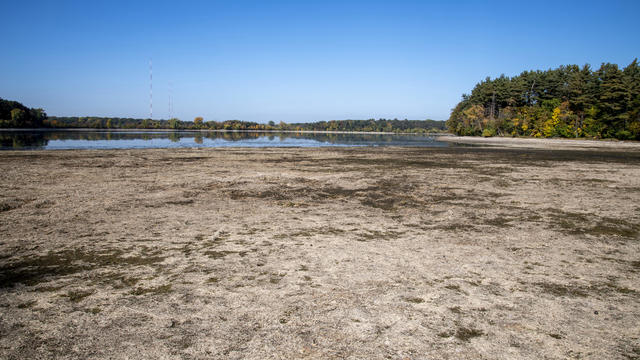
(322, 253)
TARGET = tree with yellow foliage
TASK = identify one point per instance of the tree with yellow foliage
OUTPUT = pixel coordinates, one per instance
(551, 126)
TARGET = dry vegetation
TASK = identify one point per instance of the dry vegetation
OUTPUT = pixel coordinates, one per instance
(320, 253)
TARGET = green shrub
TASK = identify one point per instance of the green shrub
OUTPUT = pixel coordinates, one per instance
(623, 135)
(488, 132)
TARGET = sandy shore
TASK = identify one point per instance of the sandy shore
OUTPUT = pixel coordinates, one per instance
(367, 253)
(533, 143)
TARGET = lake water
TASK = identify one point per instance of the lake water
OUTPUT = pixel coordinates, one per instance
(46, 140)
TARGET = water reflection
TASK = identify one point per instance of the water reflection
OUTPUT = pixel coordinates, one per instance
(19, 140)
(175, 139)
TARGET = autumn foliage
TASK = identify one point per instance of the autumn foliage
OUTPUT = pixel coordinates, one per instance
(569, 101)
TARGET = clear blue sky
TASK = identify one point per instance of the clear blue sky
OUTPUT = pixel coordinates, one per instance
(293, 60)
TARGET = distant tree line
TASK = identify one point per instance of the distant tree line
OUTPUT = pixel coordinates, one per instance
(569, 101)
(15, 115)
(93, 122)
(372, 125)
(199, 124)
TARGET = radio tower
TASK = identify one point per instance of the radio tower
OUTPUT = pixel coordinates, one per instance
(170, 102)
(150, 88)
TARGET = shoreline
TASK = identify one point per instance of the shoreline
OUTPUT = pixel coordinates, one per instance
(543, 143)
(502, 142)
(225, 131)
(439, 136)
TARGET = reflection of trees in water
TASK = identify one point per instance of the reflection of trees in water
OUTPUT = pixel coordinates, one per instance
(338, 139)
(20, 140)
(40, 139)
(358, 139)
(233, 136)
(103, 135)
(174, 137)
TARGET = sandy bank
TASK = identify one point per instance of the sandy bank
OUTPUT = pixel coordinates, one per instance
(376, 253)
(560, 144)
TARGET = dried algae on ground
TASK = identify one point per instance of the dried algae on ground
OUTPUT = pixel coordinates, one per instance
(320, 253)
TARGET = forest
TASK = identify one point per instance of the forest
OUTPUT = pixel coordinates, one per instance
(569, 101)
(371, 125)
(93, 122)
(15, 115)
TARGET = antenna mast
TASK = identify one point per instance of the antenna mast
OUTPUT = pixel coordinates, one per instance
(170, 102)
(150, 88)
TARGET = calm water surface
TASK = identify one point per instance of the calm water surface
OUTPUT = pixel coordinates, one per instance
(46, 140)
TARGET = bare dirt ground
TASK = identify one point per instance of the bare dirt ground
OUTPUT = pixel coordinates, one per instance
(371, 253)
(534, 143)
